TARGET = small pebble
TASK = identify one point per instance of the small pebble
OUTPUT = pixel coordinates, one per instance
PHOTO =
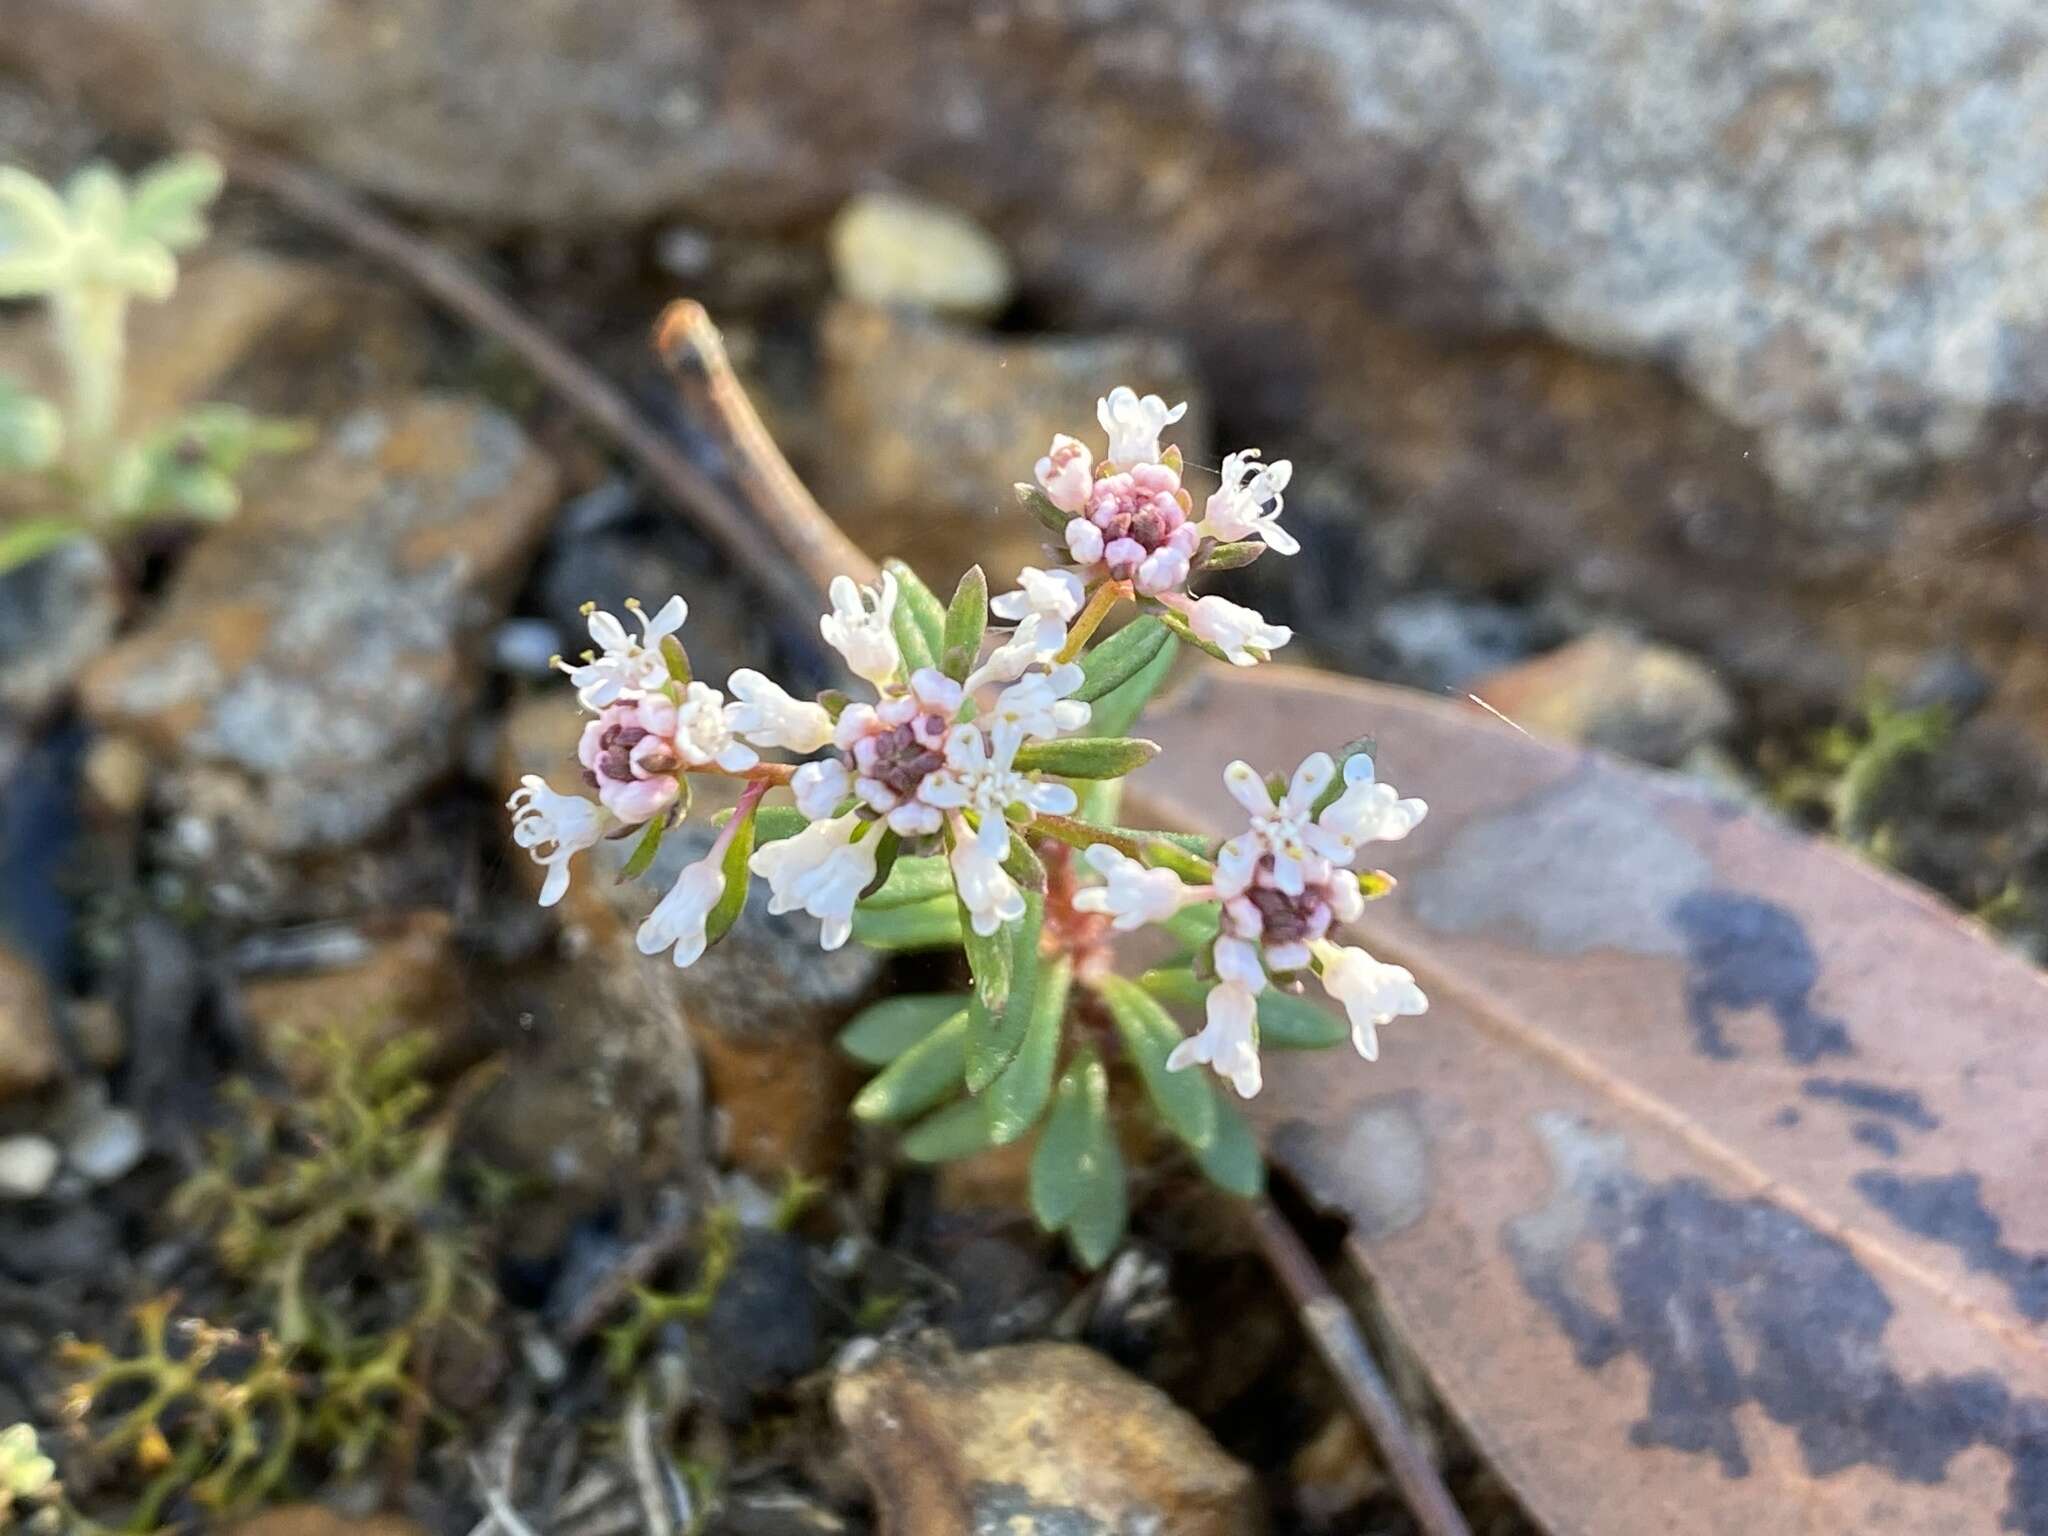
(524, 647)
(27, 1165)
(893, 249)
(107, 1145)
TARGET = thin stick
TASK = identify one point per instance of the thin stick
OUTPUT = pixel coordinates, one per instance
(782, 571)
(1335, 1334)
(690, 345)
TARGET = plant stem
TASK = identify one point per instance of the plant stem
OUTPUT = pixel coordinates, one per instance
(1089, 619)
(90, 322)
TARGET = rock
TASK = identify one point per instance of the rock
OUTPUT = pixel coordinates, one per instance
(762, 1005)
(27, 1165)
(1437, 641)
(106, 1144)
(1035, 1437)
(1721, 347)
(28, 1041)
(313, 1520)
(930, 424)
(408, 981)
(763, 1331)
(117, 775)
(56, 614)
(1612, 690)
(311, 665)
(910, 253)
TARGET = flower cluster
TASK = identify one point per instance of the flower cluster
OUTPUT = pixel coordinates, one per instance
(1283, 883)
(1129, 522)
(940, 808)
(930, 756)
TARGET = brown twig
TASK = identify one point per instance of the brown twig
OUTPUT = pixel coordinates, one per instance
(690, 345)
(1336, 1336)
(788, 574)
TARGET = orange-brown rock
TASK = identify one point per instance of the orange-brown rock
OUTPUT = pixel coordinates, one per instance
(1035, 1438)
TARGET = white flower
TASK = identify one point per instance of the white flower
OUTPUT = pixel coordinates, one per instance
(991, 897)
(1084, 541)
(704, 731)
(1235, 630)
(858, 627)
(25, 1472)
(1229, 1041)
(819, 787)
(988, 782)
(553, 828)
(624, 664)
(1367, 812)
(767, 716)
(1010, 660)
(678, 918)
(822, 871)
(1055, 596)
(1066, 474)
(1278, 829)
(1134, 424)
(1134, 894)
(1037, 703)
(1371, 991)
(1238, 509)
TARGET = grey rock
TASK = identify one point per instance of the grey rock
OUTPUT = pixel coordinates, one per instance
(1696, 307)
(311, 666)
(56, 613)
(106, 1144)
(764, 1329)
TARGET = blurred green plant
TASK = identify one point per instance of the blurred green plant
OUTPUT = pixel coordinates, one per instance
(333, 1216)
(1842, 773)
(87, 253)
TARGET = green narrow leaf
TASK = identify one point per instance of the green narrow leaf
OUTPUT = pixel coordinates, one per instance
(1040, 506)
(772, 823)
(959, 1130)
(1176, 986)
(878, 1034)
(30, 540)
(1023, 865)
(1232, 1160)
(1118, 710)
(966, 619)
(1149, 1034)
(1056, 1163)
(924, 1075)
(924, 878)
(1102, 1207)
(1291, 1023)
(1086, 757)
(678, 660)
(644, 851)
(1229, 557)
(1196, 926)
(922, 925)
(732, 901)
(1019, 1095)
(919, 621)
(1164, 850)
(1099, 801)
(1121, 657)
(997, 1033)
(886, 850)
(168, 200)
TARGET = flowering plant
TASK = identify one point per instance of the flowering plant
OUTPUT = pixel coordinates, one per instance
(972, 801)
